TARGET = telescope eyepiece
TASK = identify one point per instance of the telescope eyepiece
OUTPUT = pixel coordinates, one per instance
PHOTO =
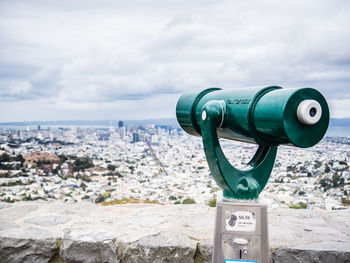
(309, 112)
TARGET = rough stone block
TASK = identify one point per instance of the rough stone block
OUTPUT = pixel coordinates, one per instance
(29, 245)
(205, 252)
(89, 246)
(162, 247)
(290, 255)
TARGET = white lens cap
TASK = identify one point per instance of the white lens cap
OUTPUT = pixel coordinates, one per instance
(309, 112)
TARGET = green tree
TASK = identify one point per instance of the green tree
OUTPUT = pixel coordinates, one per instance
(188, 201)
(172, 198)
(327, 169)
(4, 157)
(63, 158)
(82, 163)
(301, 205)
(212, 202)
(101, 198)
(325, 183)
(111, 167)
(19, 158)
(83, 186)
(336, 180)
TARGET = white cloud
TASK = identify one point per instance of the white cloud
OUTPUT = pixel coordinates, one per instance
(157, 106)
(14, 89)
(339, 108)
(84, 55)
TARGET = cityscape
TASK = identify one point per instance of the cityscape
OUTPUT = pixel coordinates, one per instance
(158, 164)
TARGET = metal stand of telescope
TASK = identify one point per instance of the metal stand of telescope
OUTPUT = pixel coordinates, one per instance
(241, 231)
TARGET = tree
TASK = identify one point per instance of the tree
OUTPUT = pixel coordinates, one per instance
(325, 183)
(111, 167)
(212, 202)
(327, 169)
(336, 180)
(19, 158)
(101, 198)
(82, 163)
(343, 163)
(4, 157)
(188, 201)
(301, 205)
(63, 158)
(172, 198)
(83, 186)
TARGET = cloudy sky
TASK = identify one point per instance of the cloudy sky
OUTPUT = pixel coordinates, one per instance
(101, 60)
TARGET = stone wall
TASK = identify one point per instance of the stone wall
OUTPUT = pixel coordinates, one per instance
(84, 232)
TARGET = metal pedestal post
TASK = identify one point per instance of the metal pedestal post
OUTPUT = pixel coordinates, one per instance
(241, 231)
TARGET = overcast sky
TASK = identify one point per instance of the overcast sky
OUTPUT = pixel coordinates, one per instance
(101, 60)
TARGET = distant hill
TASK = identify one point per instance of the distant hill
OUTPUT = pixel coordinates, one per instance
(345, 122)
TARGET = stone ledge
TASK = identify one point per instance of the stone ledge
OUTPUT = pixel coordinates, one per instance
(85, 232)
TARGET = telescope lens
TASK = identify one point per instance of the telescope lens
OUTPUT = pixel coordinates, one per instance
(309, 112)
(313, 112)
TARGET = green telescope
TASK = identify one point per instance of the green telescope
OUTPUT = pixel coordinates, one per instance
(267, 116)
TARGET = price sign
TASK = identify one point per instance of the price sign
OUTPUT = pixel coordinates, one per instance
(240, 221)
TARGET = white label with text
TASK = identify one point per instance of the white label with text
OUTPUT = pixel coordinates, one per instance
(240, 221)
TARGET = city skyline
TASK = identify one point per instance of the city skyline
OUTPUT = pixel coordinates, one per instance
(116, 60)
(158, 164)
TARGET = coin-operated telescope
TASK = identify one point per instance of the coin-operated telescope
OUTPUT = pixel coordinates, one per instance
(268, 117)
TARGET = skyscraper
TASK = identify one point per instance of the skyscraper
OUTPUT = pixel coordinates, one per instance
(120, 124)
(135, 137)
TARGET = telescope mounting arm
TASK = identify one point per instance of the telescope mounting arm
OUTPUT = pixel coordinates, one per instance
(236, 183)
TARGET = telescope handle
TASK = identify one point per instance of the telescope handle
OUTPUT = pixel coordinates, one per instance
(244, 183)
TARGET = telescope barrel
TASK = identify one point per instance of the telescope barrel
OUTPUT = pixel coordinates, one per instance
(267, 116)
